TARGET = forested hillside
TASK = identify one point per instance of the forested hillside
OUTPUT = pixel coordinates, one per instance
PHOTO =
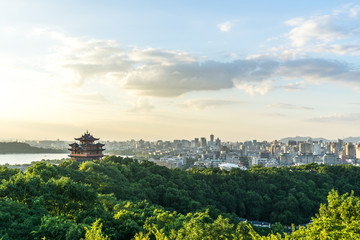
(139, 199)
(17, 147)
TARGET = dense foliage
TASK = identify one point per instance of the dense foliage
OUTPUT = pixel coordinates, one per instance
(339, 219)
(120, 198)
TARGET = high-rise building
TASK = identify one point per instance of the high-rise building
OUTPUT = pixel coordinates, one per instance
(305, 148)
(331, 159)
(357, 153)
(316, 149)
(341, 143)
(203, 141)
(334, 148)
(286, 159)
(242, 149)
(140, 144)
(197, 143)
(211, 143)
(265, 154)
(350, 151)
(218, 142)
(272, 149)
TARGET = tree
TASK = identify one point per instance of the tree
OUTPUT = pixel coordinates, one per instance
(95, 233)
(57, 227)
(339, 219)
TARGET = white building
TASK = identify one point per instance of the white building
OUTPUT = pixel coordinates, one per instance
(227, 166)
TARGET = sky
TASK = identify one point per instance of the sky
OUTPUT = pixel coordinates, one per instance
(122, 70)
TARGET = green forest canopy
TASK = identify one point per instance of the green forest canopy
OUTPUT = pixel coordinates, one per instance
(141, 200)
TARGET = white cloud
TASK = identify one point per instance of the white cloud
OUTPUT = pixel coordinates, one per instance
(289, 106)
(262, 87)
(336, 33)
(85, 98)
(275, 115)
(141, 105)
(159, 56)
(8, 30)
(165, 73)
(226, 26)
(175, 80)
(319, 29)
(321, 71)
(336, 117)
(295, 21)
(293, 86)
(153, 72)
(340, 49)
(354, 11)
(253, 75)
(201, 104)
(79, 61)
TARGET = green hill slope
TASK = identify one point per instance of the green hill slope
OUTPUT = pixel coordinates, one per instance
(16, 147)
(146, 201)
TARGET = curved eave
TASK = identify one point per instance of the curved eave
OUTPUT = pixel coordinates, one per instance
(87, 139)
(86, 155)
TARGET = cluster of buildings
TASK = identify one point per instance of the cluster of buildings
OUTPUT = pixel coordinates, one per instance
(57, 144)
(304, 152)
(202, 152)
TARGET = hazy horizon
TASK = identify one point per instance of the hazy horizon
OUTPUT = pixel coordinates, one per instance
(178, 70)
(172, 139)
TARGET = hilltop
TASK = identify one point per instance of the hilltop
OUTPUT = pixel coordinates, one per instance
(299, 139)
(17, 147)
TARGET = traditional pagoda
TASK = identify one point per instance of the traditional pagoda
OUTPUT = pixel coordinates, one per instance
(87, 150)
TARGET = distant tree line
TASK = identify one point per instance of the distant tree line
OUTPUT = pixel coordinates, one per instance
(17, 147)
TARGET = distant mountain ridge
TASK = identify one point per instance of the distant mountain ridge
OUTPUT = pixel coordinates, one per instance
(16, 147)
(352, 139)
(298, 138)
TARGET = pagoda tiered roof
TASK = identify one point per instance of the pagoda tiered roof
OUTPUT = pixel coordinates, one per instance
(93, 144)
(86, 150)
(87, 137)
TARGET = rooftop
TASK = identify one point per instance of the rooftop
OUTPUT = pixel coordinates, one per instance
(87, 137)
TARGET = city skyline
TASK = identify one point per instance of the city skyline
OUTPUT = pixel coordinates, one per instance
(350, 139)
(130, 70)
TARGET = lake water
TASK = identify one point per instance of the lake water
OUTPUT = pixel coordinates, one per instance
(13, 159)
(27, 158)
